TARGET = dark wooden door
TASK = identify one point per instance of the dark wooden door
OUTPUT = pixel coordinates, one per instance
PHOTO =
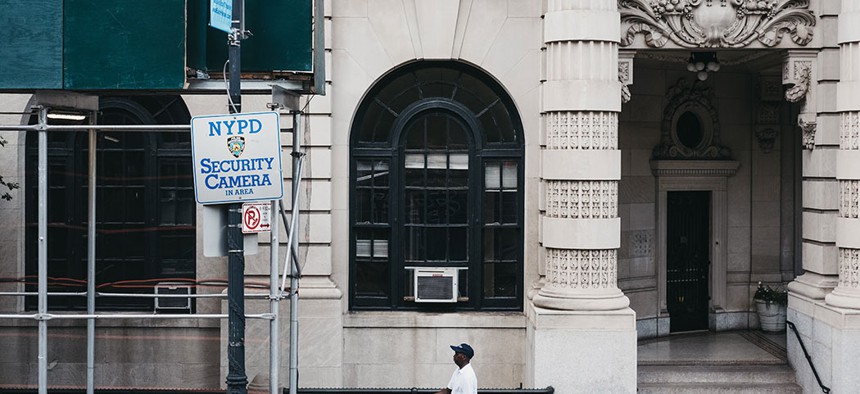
(688, 259)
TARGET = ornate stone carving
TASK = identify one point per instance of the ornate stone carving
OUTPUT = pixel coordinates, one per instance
(849, 131)
(849, 190)
(768, 112)
(581, 130)
(849, 268)
(715, 23)
(641, 243)
(581, 269)
(766, 137)
(581, 199)
(625, 92)
(693, 98)
(625, 73)
(802, 72)
(808, 128)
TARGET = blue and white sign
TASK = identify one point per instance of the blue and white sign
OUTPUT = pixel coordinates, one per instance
(221, 14)
(237, 157)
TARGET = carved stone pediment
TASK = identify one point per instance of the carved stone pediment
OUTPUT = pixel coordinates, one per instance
(715, 23)
(690, 129)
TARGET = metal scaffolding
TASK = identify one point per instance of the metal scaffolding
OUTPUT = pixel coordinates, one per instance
(275, 295)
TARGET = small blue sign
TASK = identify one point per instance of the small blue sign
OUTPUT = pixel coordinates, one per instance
(221, 14)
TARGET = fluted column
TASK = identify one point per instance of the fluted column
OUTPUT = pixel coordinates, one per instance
(847, 292)
(581, 163)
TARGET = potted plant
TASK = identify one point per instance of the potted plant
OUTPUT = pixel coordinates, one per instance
(770, 306)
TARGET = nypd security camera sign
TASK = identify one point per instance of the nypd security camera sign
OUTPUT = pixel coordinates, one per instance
(237, 157)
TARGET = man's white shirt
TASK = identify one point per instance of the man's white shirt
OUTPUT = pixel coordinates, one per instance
(464, 381)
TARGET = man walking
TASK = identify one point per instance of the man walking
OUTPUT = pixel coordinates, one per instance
(463, 381)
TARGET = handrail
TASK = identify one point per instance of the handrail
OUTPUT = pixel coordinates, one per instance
(824, 388)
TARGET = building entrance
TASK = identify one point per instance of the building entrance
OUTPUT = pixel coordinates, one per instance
(688, 259)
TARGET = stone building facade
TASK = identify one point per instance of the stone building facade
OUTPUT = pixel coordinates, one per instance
(510, 141)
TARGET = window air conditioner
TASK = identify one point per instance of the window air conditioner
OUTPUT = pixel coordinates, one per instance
(436, 284)
(172, 304)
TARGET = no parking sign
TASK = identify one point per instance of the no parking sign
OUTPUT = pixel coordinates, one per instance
(256, 217)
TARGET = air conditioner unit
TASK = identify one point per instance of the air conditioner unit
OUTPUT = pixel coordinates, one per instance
(436, 284)
(172, 304)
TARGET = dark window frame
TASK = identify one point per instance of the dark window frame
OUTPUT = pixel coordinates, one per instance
(501, 147)
(68, 152)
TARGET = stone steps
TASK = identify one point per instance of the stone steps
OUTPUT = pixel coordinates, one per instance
(717, 378)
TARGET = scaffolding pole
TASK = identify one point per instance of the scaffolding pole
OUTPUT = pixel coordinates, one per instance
(294, 268)
(42, 316)
(274, 296)
(91, 261)
(43, 250)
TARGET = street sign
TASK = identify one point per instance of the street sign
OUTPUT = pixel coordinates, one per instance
(256, 217)
(237, 158)
(221, 14)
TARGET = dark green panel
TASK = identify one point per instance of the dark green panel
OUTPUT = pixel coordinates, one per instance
(31, 52)
(281, 38)
(198, 24)
(124, 44)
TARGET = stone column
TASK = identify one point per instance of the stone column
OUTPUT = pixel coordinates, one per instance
(819, 123)
(582, 330)
(581, 163)
(847, 293)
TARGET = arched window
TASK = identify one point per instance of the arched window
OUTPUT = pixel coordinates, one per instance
(436, 182)
(145, 205)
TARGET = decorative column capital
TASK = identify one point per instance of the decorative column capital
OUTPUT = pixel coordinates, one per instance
(797, 74)
(807, 125)
(625, 72)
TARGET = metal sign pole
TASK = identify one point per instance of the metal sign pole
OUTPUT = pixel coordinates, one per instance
(237, 380)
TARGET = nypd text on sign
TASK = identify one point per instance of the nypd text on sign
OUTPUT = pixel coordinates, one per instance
(237, 157)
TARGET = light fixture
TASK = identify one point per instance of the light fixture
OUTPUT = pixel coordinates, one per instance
(703, 62)
(66, 115)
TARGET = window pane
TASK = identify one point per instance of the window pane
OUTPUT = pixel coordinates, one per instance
(500, 280)
(437, 207)
(437, 238)
(371, 278)
(509, 175)
(509, 206)
(414, 248)
(415, 206)
(458, 204)
(459, 241)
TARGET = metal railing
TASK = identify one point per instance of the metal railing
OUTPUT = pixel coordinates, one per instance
(414, 390)
(824, 389)
(548, 390)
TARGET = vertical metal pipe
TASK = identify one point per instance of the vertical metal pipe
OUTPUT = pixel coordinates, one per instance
(43, 250)
(237, 380)
(274, 304)
(294, 271)
(91, 261)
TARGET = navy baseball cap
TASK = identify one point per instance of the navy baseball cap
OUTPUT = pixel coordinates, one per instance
(465, 349)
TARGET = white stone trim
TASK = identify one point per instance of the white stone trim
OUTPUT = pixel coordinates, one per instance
(582, 95)
(581, 164)
(582, 25)
(847, 231)
(717, 185)
(581, 233)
